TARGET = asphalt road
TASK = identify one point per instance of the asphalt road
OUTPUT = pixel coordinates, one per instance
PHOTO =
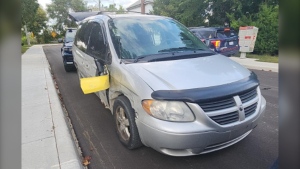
(94, 128)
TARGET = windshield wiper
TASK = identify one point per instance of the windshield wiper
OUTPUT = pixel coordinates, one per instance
(179, 49)
(140, 57)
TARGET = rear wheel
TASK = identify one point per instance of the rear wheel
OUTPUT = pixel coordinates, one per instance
(126, 128)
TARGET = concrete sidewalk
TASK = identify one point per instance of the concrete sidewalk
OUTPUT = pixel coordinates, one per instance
(251, 63)
(46, 138)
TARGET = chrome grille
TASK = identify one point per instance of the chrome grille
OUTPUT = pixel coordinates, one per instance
(250, 109)
(248, 95)
(226, 118)
(220, 104)
(217, 105)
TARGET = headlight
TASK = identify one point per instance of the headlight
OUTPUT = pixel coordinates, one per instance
(168, 110)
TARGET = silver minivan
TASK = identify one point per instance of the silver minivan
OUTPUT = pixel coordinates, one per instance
(164, 87)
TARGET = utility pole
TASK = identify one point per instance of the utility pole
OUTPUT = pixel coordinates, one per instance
(143, 6)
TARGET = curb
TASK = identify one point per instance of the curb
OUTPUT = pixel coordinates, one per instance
(68, 157)
(251, 63)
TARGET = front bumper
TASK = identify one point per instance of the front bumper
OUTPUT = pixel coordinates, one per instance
(198, 137)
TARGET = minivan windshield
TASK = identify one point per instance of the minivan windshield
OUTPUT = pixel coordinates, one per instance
(142, 36)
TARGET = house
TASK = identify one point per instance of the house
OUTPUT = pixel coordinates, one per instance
(136, 7)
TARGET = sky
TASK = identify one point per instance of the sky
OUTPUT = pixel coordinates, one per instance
(124, 3)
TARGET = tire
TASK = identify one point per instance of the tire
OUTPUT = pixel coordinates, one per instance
(125, 125)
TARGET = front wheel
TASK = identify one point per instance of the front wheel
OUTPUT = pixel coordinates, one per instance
(126, 128)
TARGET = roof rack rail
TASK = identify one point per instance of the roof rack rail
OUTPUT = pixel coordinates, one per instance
(138, 12)
(80, 16)
(115, 12)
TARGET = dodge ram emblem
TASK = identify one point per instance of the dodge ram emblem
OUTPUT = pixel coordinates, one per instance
(241, 108)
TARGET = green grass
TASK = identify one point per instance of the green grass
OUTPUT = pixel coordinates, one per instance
(261, 58)
(264, 58)
(24, 48)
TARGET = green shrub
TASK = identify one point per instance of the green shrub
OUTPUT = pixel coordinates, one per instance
(23, 40)
(267, 38)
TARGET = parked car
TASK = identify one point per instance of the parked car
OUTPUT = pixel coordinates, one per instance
(165, 88)
(60, 40)
(66, 50)
(219, 39)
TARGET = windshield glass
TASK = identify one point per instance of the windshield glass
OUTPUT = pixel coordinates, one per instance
(141, 36)
(70, 34)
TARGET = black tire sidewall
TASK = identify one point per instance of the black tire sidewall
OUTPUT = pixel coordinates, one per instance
(134, 139)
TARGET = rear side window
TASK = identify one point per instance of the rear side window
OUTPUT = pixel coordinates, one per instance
(197, 34)
(226, 34)
(82, 36)
(96, 47)
(207, 34)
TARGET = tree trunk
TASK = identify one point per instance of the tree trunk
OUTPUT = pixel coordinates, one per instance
(28, 40)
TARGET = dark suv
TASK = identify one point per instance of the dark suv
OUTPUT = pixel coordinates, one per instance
(221, 40)
(66, 50)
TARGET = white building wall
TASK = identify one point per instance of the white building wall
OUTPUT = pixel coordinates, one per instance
(148, 8)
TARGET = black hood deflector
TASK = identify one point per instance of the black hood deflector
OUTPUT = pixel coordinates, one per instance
(208, 93)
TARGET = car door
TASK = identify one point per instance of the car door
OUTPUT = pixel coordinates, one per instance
(80, 49)
(96, 49)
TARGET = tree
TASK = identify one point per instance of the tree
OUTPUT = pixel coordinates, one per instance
(38, 22)
(28, 10)
(260, 13)
(218, 10)
(243, 10)
(265, 17)
(112, 8)
(59, 10)
(120, 10)
(267, 22)
(188, 12)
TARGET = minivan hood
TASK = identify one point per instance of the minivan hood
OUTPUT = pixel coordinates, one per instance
(190, 73)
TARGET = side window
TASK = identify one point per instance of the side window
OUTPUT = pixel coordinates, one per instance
(77, 35)
(96, 47)
(82, 36)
